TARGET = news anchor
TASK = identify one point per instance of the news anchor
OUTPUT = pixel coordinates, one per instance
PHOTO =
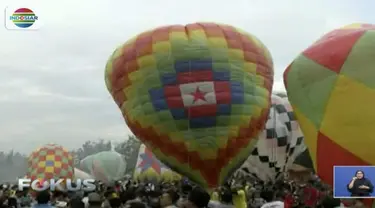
(359, 185)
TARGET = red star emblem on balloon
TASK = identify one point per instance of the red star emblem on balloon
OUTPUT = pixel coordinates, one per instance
(198, 95)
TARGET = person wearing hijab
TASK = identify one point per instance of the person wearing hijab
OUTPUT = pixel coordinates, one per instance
(360, 185)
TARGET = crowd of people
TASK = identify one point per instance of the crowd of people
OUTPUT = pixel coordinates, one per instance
(247, 193)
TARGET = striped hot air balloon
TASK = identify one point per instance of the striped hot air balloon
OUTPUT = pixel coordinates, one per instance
(197, 95)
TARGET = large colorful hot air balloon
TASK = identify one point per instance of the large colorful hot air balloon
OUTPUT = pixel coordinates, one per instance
(331, 86)
(278, 146)
(50, 162)
(196, 95)
(108, 166)
(150, 169)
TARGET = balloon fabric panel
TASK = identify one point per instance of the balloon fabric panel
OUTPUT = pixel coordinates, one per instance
(50, 161)
(86, 164)
(79, 174)
(197, 95)
(332, 90)
(149, 168)
(279, 144)
(108, 166)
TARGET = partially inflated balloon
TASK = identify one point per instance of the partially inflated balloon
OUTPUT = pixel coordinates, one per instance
(279, 144)
(50, 162)
(79, 174)
(196, 95)
(86, 164)
(108, 166)
(331, 87)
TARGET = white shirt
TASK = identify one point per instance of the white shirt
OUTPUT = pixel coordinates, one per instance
(216, 204)
(275, 204)
(85, 200)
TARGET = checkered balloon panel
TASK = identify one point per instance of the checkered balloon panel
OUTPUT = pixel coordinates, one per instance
(50, 161)
(279, 144)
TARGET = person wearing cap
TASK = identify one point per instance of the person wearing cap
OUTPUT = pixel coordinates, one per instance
(94, 200)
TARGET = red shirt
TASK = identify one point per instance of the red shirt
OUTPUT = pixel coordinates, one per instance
(289, 200)
(311, 196)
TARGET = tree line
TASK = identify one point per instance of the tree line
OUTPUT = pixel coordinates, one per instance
(14, 164)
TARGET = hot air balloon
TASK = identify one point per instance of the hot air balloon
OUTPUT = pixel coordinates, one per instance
(331, 88)
(50, 162)
(108, 166)
(196, 95)
(79, 174)
(278, 145)
(150, 169)
(86, 164)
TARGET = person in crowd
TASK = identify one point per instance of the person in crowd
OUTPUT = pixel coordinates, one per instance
(43, 200)
(185, 194)
(360, 185)
(12, 202)
(256, 200)
(169, 198)
(76, 202)
(186, 188)
(310, 194)
(330, 202)
(135, 204)
(23, 198)
(59, 199)
(94, 200)
(127, 195)
(215, 196)
(107, 195)
(85, 199)
(197, 198)
(115, 201)
(239, 197)
(225, 200)
(359, 204)
(272, 202)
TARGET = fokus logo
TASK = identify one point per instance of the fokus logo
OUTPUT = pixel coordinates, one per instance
(53, 185)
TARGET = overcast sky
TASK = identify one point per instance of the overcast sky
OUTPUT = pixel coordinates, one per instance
(51, 81)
